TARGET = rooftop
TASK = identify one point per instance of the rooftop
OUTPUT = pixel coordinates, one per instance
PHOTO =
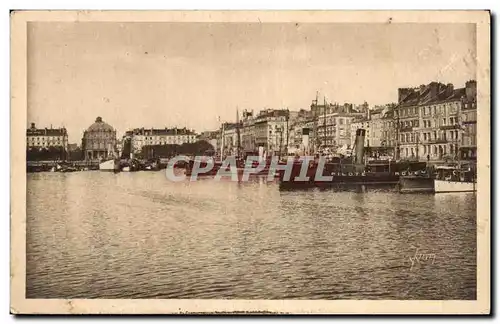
(100, 126)
(33, 131)
(162, 131)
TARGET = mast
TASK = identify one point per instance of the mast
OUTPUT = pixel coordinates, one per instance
(221, 141)
(396, 111)
(315, 121)
(238, 140)
(324, 121)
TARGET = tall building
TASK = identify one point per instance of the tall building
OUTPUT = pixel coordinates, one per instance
(99, 140)
(271, 131)
(247, 132)
(333, 124)
(230, 135)
(46, 137)
(379, 126)
(141, 137)
(46, 143)
(428, 120)
(468, 119)
(296, 146)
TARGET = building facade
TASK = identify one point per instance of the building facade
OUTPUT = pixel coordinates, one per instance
(271, 128)
(99, 141)
(230, 135)
(468, 119)
(296, 146)
(333, 125)
(429, 121)
(46, 137)
(141, 137)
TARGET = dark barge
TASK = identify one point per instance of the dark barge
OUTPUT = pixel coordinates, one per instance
(349, 172)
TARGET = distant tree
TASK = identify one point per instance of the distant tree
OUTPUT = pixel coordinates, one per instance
(52, 153)
(170, 150)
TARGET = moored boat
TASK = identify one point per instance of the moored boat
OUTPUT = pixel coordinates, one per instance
(109, 165)
(442, 186)
(346, 172)
(454, 179)
(416, 184)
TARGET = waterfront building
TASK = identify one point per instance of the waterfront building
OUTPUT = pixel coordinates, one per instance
(230, 135)
(141, 137)
(378, 124)
(46, 144)
(428, 120)
(468, 122)
(360, 123)
(247, 132)
(44, 138)
(271, 131)
(99, 140)
(333, 124)
(389, 131)
(296, 131)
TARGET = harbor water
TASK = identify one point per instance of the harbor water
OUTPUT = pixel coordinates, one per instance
(138, 235)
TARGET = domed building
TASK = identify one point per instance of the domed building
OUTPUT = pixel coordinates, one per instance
(99, 140)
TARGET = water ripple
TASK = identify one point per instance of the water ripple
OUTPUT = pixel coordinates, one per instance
(136, 235)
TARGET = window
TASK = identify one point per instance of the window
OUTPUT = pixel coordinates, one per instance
(444, 121)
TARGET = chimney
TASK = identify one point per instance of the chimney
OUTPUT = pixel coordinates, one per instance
(33, 125)
(471, 90)
(449, 89)
(434, 89)
(403, 92)
(421, 89)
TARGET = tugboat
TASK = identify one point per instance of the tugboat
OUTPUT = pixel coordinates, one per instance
(342, 173)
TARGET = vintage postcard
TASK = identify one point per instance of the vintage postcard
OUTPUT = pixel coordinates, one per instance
(250, 162)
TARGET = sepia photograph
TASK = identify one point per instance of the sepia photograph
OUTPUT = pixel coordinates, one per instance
(289, 162)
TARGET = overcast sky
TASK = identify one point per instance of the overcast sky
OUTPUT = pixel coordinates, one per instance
(187, 74)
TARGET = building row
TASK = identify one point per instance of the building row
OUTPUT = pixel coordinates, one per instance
(430, 122)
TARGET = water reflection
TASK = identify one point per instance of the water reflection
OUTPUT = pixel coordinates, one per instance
(136, 235)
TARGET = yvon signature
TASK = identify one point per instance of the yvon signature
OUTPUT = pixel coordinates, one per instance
(419, 258)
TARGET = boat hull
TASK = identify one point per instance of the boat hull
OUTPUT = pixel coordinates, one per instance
(110, 166)
(416, 185)
(442, 186)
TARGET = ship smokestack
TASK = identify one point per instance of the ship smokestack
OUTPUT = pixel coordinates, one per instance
(305, 140)
(360, 145)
